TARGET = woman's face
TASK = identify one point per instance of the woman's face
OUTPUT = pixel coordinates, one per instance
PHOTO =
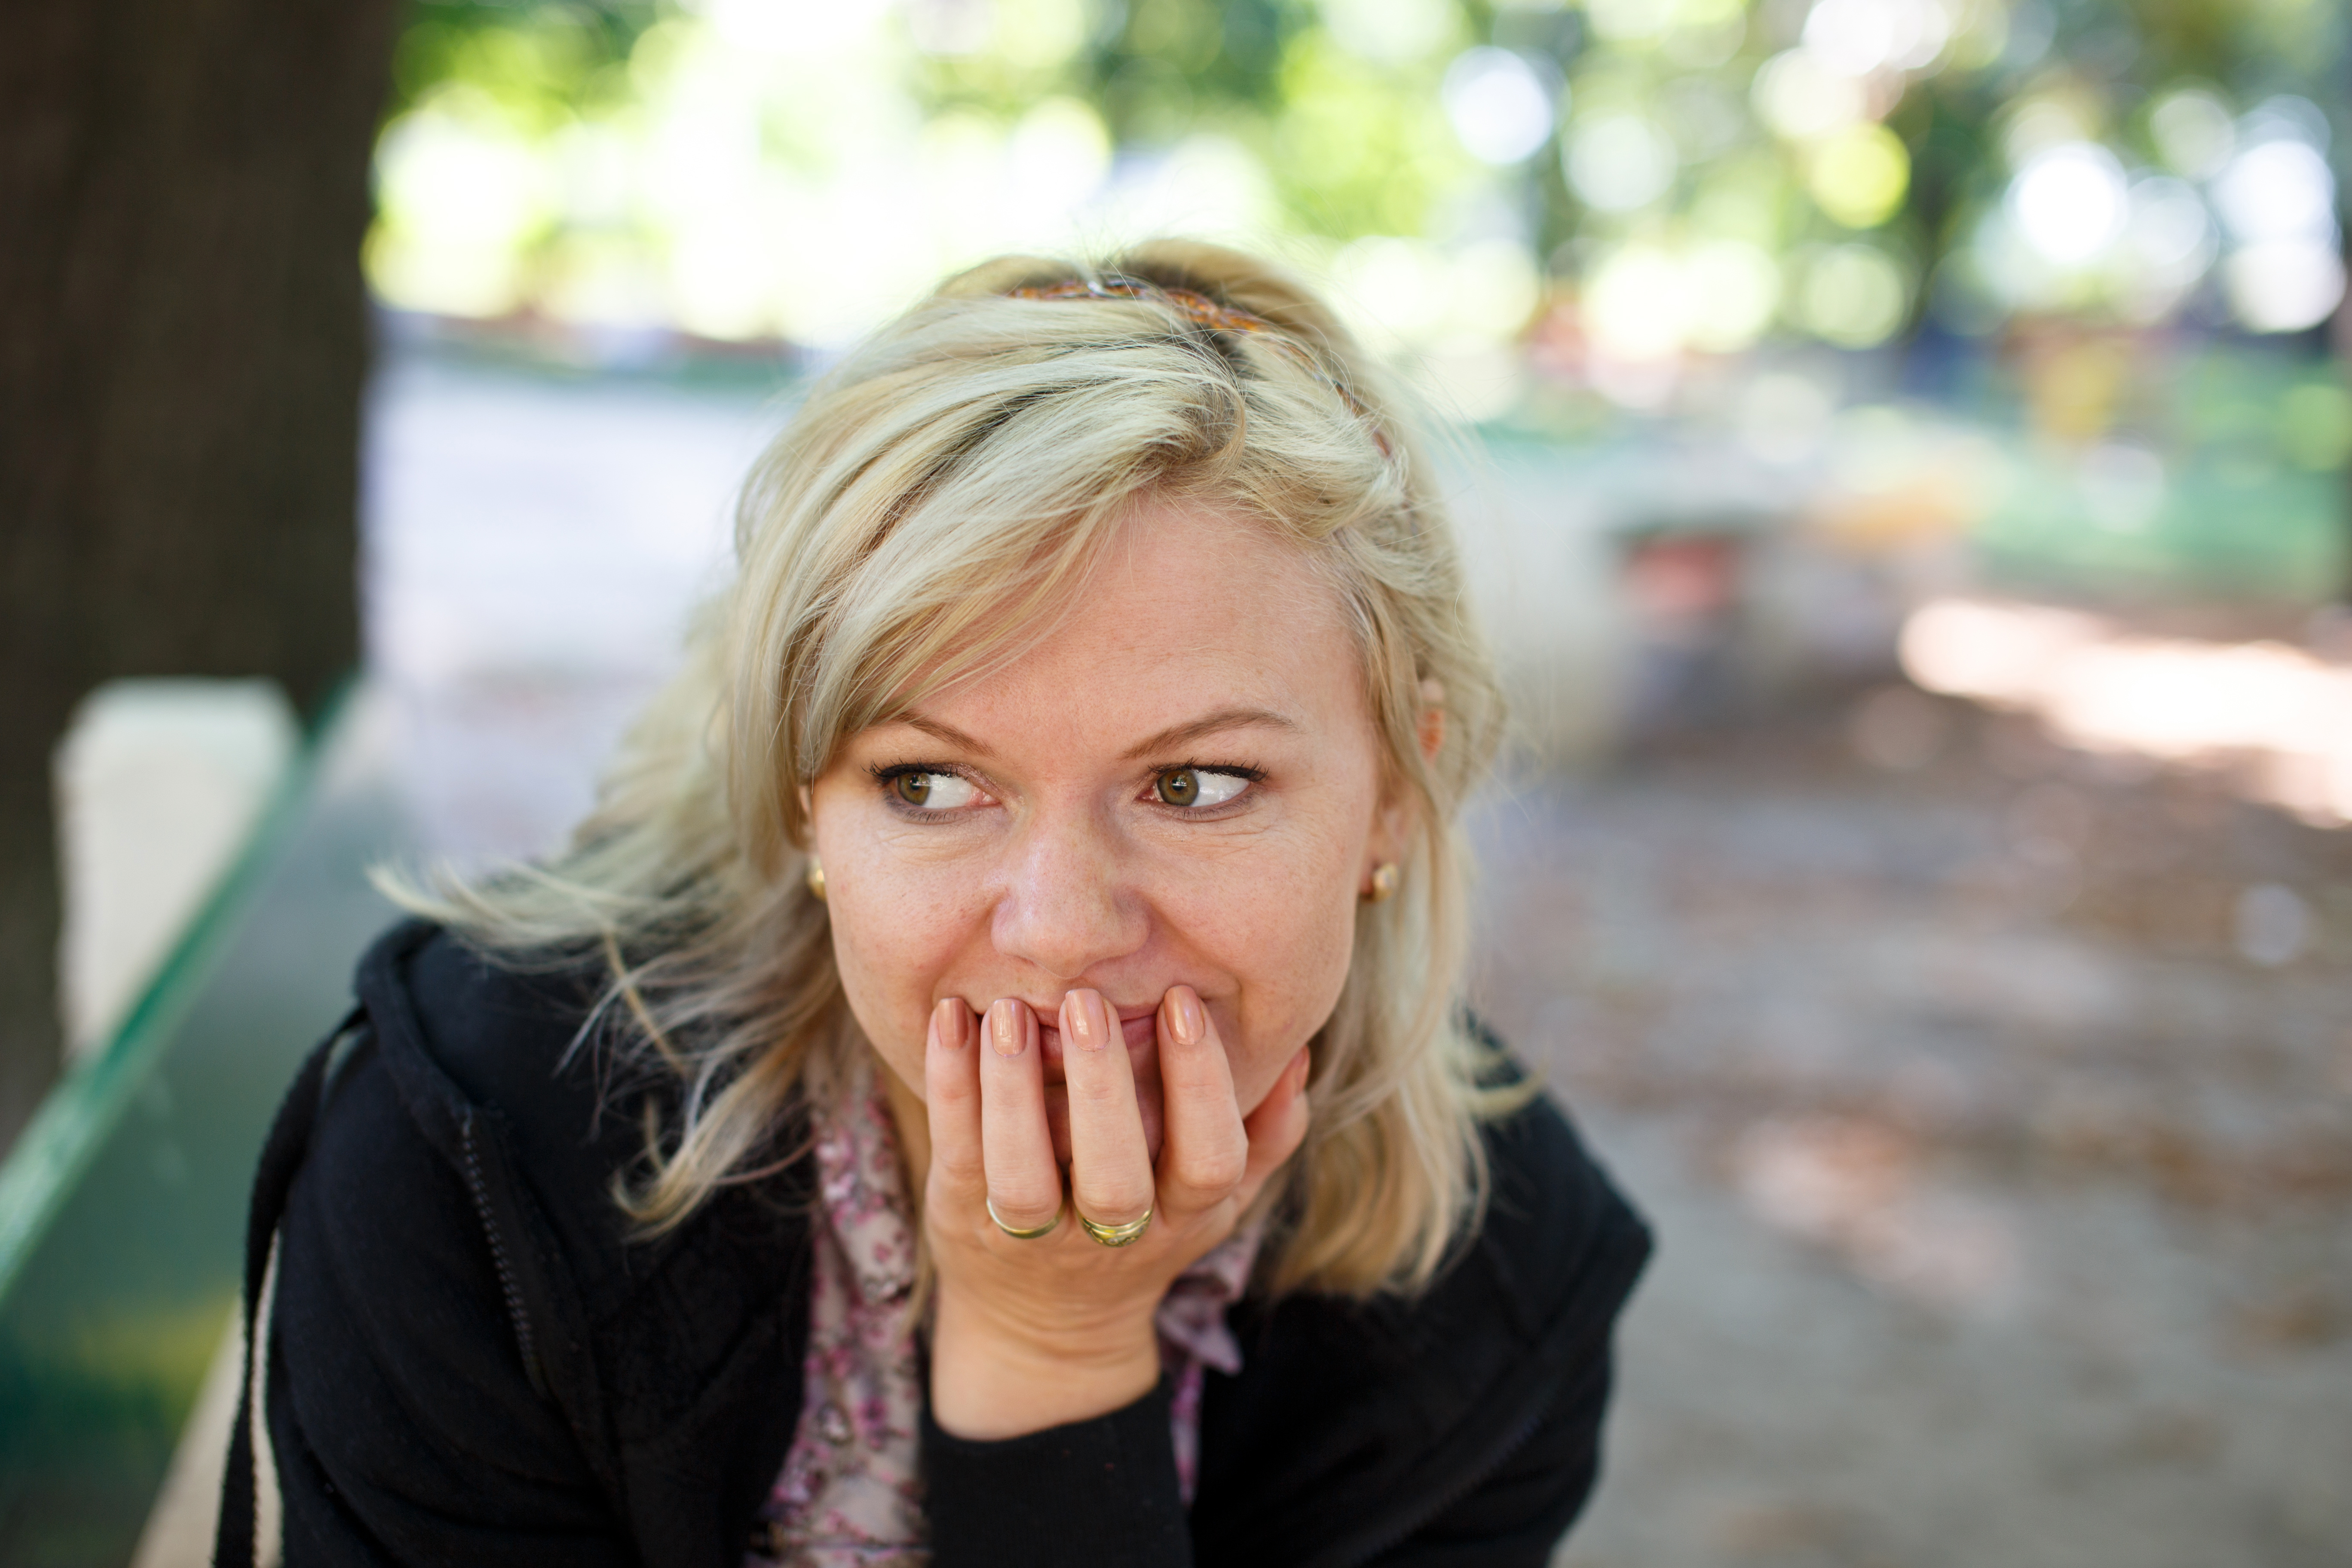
(1182, 786)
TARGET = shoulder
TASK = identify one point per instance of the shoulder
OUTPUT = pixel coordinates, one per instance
(451, 1239)
(479, 1066)
(1536, 1285)
(1558, 1239)
(1351, 1422)
(460, 1166)
(466, 1035)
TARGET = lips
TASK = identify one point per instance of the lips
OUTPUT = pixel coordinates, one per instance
(1138, 1027)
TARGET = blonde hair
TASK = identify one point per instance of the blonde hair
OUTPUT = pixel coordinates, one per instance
(981, 450)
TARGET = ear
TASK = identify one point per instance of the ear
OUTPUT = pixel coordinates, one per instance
(1433, 719)
(1392, 829)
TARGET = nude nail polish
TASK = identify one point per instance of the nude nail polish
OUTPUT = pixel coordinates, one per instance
(1004, 1028)
(1089, 1020)
(948, 1019)
(1184, 1019)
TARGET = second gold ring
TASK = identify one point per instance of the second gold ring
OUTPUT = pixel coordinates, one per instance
(1116, 1234)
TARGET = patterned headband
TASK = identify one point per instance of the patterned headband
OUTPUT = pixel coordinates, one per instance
(1195, 307)
(1201, 310)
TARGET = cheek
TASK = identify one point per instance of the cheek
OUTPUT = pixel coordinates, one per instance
(1284, 941)
(893, 937)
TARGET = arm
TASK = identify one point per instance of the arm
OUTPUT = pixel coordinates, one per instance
(1089, 1494)
(405, 1424)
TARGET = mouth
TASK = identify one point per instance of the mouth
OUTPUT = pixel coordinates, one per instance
(1138, 1028)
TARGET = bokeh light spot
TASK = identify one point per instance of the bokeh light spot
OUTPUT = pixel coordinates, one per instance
(2192, 132)
(1855, 37)
(1620, 162)
(1497, 104)
(1852, 296)
(1859, 175)
(2068, 202)
(1800, 98)
(2285, 286)
(1392, 32)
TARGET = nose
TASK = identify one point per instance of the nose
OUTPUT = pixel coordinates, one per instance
(1066, 905)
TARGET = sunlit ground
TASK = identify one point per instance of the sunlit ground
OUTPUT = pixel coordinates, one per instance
(2273, 721)
(1994, 1114)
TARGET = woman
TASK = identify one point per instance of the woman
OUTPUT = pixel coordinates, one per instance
(986, 1084)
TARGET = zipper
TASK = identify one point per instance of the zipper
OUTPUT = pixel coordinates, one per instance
(508, 1284)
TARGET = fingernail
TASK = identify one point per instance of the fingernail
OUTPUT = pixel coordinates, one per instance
(1004, 1027)
(948, 1019)
(1184, 1020)
(1088, 1021)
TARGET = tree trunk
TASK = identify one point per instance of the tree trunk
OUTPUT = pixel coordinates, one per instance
(183, 344)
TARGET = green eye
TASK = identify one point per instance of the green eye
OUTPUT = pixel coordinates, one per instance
(1197, 787)
(931, 791)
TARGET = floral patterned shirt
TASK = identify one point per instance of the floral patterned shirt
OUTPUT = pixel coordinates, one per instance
(850, 1494)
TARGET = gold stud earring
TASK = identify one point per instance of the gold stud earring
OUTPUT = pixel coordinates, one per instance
(816, 881)
(1385, 882)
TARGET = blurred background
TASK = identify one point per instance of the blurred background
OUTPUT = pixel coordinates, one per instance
(1902, 452)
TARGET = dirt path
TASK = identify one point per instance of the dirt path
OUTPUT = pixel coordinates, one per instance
(2002, 1196)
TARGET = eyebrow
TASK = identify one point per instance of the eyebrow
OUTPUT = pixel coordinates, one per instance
(1165, 741)
(1176, 735)
(947, 732)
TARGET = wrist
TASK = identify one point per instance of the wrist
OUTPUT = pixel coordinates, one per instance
(992, 1380)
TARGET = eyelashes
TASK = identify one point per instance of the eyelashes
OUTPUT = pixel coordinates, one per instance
(1198, 788)
(1187, 789)
(923, 789)
(930, 790)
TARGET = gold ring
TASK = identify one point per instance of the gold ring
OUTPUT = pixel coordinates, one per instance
(1016, 1233)
(1117, 1235)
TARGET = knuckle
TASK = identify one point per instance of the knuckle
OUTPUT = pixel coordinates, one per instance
(1023, 1201)
(1218, 1169)
(961, 1167)
(1190, 1069)
(1115, 1200)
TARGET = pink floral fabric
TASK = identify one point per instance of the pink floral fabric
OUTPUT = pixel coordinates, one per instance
(850, 1495)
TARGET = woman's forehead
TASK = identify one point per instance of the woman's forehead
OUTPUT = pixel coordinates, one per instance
(1191, 613)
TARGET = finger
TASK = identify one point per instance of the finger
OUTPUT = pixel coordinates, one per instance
(1110, 1165)
(951, 1092)
(1024, 1185)
(1277, 1126)
(1206, 1151)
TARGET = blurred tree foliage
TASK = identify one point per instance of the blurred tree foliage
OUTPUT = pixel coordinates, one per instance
(539, 64)
(1674, 132)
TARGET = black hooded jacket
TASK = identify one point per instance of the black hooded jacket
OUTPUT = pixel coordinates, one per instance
(470, 1361)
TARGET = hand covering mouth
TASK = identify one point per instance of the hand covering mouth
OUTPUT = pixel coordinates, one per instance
(1141, 1033)
(1142, 1039)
